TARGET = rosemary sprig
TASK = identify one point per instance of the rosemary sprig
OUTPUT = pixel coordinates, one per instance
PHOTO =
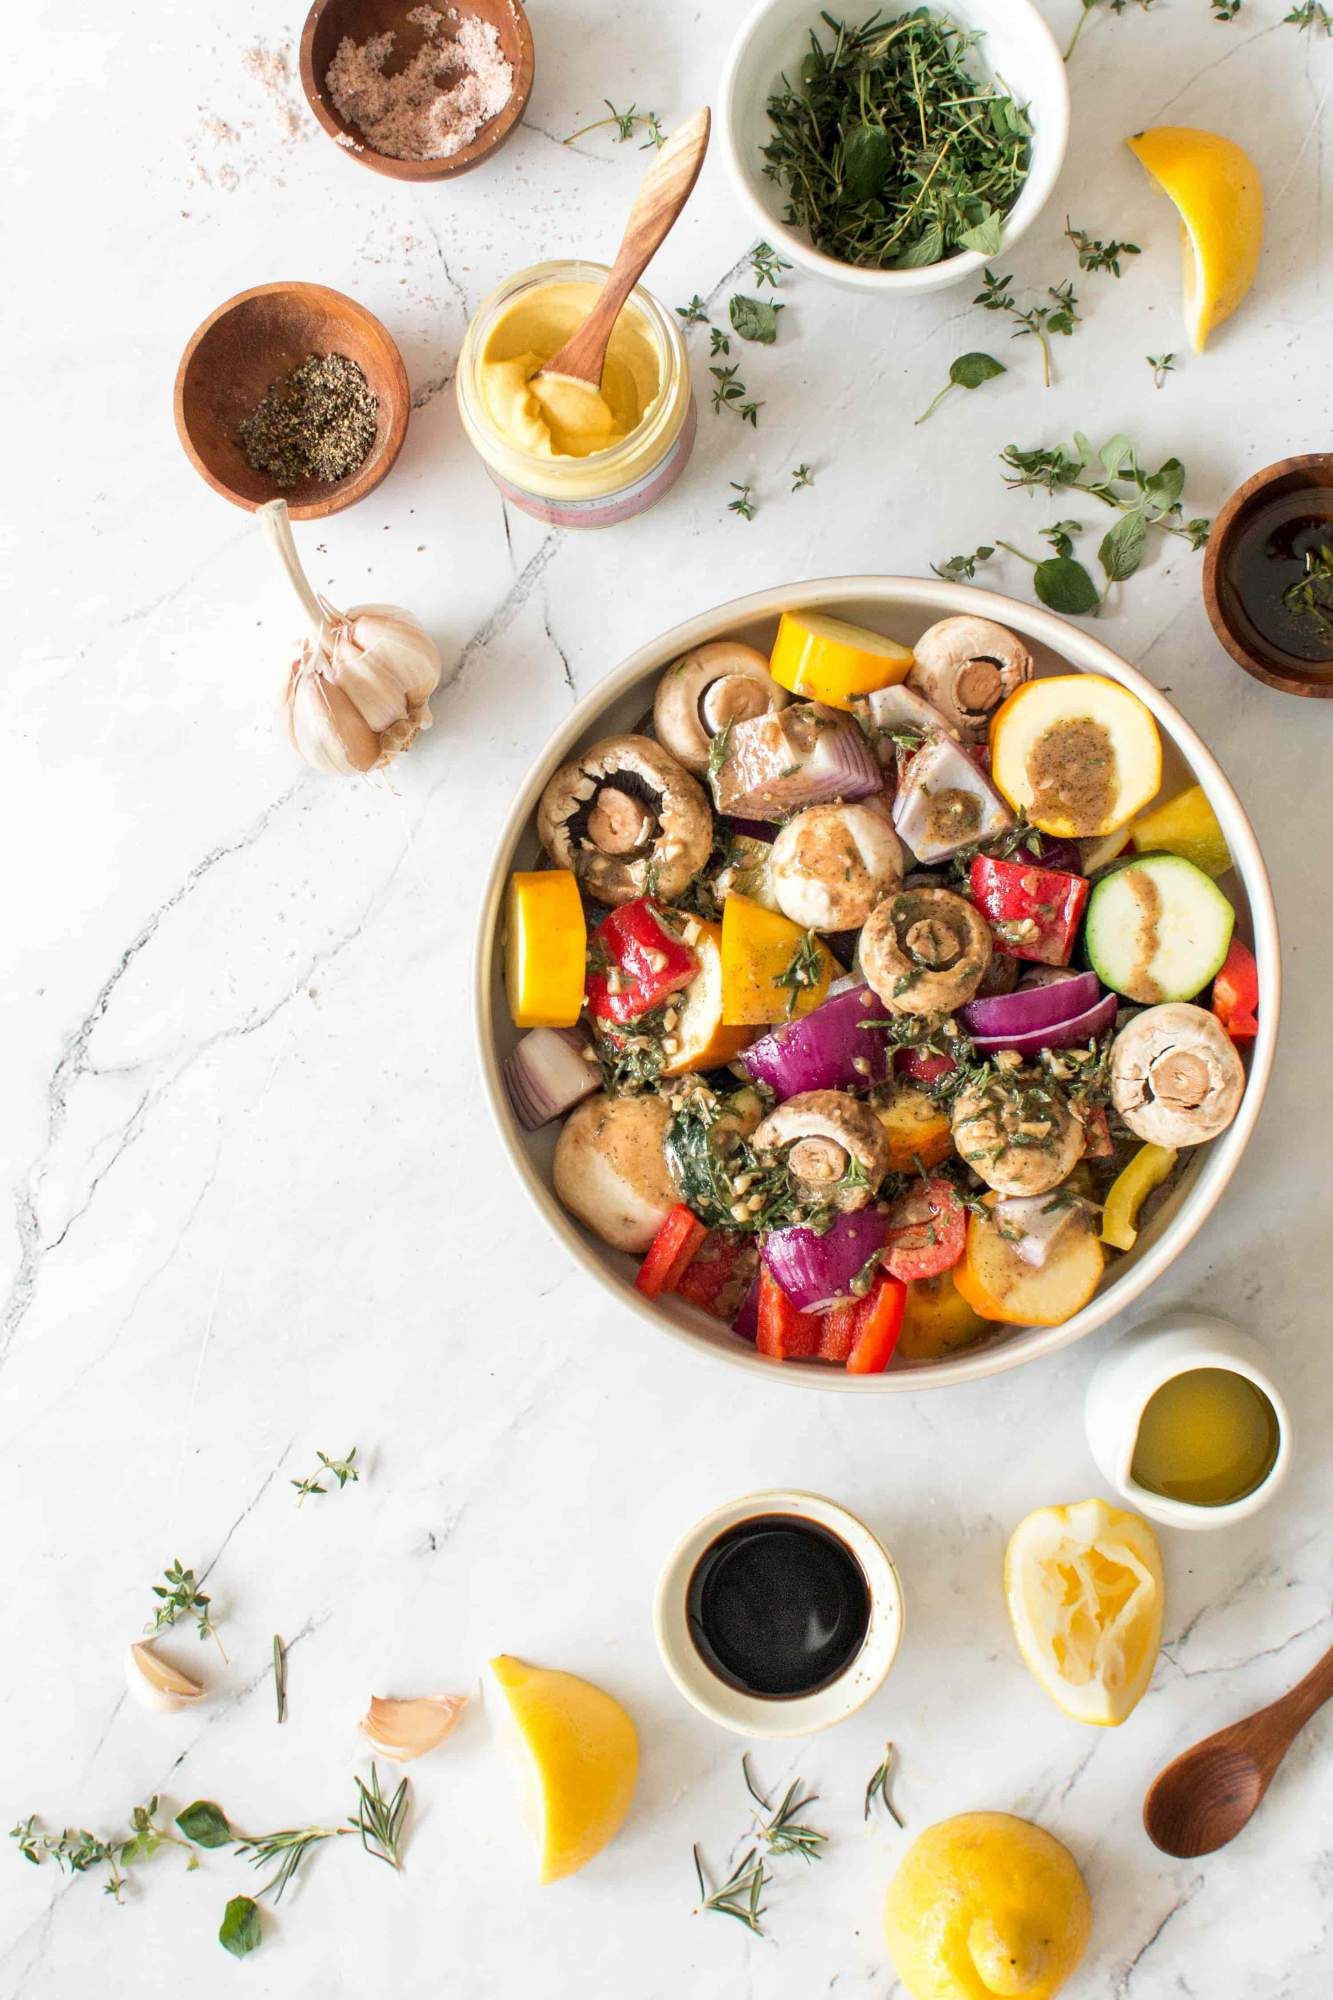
(878, 1788)
(891, 152)
(1310, 14)
(804, 972)
(1061, 316)
(342, 1469)
(285, 1851)
(181, 1597)
(739, 1895)
(743, 504)
(1162, 365)
(781, 1831)
(280, 1676)
(380, 1821)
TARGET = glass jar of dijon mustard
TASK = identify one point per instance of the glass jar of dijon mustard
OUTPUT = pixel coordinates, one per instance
(556, 448)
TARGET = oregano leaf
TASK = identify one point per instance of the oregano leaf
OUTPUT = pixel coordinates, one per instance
(755, 319)
(1122, 547)
(1064, 585)
(240, 1932)
(969, 371)
(867, 154)
(205, 1824)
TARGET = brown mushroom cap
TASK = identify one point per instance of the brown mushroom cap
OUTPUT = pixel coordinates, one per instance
(966, 667)
(1176, 1078)
(1016, 1131)
(925, 951)
(716, 684)
(830, 865)
(622, 807)
(825, 1130)
(610, 1168)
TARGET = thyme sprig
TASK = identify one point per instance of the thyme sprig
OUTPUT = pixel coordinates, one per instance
(891, 152)
(801, 475)
(342, 1469)
(1310, 14)
(743, 504)
(694, 313)
(1114, 476)
(780, 1829)
(767, 265)
(181, 1597)
(75, 1850)
(877, 1791)
(732, 394)
(1094, 255)
(1060, 316)
(1114, 6)
(739, 1895)
(1162, 365)
(955, 568)
(1311, 596)
(626, 123)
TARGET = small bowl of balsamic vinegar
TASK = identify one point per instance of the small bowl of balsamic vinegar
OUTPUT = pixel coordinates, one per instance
(779, 1614)
(1268, 575)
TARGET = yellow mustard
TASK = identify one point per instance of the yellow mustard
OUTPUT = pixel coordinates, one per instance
(557, 416)
(558, 449)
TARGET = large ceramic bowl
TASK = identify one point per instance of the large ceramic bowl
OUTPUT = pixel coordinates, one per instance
(770, 42)
(901, 607)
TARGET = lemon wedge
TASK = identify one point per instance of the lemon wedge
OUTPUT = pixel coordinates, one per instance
(1215, 185)
(1085, 1593)
(574, 1754)
(986, 1904)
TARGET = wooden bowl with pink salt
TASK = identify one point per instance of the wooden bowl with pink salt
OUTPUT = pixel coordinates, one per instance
(418, 92)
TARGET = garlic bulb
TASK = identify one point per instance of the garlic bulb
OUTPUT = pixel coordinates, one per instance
(360, 688)
(401, 1730)
(156, 1684)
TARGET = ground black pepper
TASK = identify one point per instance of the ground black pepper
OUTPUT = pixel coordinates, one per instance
(318, 422)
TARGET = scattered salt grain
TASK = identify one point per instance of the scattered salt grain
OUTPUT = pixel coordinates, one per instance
(439, 102)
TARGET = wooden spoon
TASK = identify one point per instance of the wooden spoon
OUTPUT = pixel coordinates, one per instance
(1205, 1796)
(666, 188)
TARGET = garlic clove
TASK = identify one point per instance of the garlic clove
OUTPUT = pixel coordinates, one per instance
(156, 1683)
(327, 729)
(402, 1730)
(400, 644)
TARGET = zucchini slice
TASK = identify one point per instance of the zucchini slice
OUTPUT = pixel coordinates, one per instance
(1157, 929)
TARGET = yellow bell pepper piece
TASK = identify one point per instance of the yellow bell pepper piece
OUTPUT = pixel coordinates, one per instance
(1130, 1189)
(824, 659)
(772, 970)
(546, 949)
(1185, 825)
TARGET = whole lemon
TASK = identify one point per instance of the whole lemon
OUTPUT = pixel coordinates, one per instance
(986, 1904)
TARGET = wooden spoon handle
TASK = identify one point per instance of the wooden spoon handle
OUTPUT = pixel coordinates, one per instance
(1308, 1695)
(666, 188)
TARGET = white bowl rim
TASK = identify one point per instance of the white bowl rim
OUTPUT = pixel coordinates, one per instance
(1083, 653)
(1032, 199)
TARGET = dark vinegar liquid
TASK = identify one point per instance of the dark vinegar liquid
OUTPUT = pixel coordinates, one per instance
(1268, 558)
(778, 1606)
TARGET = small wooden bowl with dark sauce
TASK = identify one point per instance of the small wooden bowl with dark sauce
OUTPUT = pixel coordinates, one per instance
(1259, 561)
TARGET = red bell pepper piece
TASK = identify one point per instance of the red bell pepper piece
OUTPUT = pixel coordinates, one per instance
(927, 1230)
(879, 1321)
(1236, 993)
(921, 1066)
(670, 1252)
(784, 1333)
(719, 1274)
(638, 962)
(1033, 912)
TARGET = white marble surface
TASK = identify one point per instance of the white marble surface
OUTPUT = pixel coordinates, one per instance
(256, 1204)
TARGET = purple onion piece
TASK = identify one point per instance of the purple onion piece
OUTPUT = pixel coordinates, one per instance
(1067, 1034)
(1031, 1007)
(548, 1074)
(826, 1049)
(817, 1272)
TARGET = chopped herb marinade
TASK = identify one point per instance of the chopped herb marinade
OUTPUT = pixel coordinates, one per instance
(891, 150)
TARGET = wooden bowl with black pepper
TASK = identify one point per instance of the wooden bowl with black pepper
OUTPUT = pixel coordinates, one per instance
(331, 22)
(246, 350)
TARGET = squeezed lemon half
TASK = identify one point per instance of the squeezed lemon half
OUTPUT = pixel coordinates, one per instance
(1085, 1593)
(574, 1755)
(1216, 188)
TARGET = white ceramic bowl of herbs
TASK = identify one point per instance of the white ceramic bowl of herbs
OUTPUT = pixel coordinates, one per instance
(985, 171)
(901, 608)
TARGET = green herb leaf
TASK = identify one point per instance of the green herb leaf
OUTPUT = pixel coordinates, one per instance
(867, 155)
(969, 371)
(984, 236)
(240, 1933)
(1122, 547)
(205, 1824)
(1064, 585)
(755, 319)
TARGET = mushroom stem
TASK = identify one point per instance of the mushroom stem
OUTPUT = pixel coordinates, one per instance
(276, 523)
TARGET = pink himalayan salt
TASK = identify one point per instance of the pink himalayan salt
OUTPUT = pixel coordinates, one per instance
(438, 103)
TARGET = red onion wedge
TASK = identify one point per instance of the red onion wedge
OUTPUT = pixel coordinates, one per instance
(1068, 1034)
(816, 1272)
(944, 803)
(1030, 1224)
(1032, 1007)
(798, 756)
(548, 1074)
(827, 1049)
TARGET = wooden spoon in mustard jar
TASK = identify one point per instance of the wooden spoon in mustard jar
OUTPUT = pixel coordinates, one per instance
(666, 188)
(1206, 1795)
